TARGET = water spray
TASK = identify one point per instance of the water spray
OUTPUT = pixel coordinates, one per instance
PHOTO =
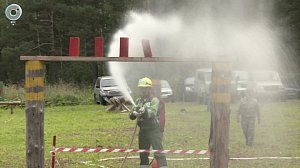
(118, 75)
(236, 28)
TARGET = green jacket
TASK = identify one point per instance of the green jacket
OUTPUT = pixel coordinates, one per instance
(249, 108)
(149, 119)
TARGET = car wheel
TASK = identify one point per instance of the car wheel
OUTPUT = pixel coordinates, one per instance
(96, 99)
(202, 99)
(283, 98)
(102, 101)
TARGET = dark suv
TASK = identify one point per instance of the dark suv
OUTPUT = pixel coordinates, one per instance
(104, 89)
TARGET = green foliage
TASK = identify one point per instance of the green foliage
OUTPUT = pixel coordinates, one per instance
(287, 16)
(13, 93)
(60, 94)
(68, 94)
(45, 28)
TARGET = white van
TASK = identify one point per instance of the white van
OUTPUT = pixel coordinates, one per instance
(166, 90)
(239, 84)
(268, 85)
(202, 82)
(203, 79)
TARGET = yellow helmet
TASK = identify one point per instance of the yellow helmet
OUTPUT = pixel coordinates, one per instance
(145, 82)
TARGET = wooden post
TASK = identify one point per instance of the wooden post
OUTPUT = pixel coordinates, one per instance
(11, 109)
(53, 153)
(146, 5)
(34, 86)
(220, 115)
(1, 91)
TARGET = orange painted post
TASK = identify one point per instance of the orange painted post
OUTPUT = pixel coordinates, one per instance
(124, 44)
(34, 87)
(146, 48)
(99, 47)
(74, 47)
(220, 115)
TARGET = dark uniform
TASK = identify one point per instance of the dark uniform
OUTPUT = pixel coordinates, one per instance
(150, 133)
(248, 111)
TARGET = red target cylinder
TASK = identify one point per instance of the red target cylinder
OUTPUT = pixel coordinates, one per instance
(124, 43)
(74, 47)
(99, 46)
(146, 48)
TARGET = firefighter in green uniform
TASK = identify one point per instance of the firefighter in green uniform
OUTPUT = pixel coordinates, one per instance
(248, 112)
(146, 112)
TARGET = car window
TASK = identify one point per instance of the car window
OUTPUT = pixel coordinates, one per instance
(208, 76)
(189, 81)
(200, 76)
(164, 84)
(98, 83)
(240, 75)
(266, 76)
(108, 83)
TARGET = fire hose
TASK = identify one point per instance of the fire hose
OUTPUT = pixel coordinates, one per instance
(130, 144)
(131, 141)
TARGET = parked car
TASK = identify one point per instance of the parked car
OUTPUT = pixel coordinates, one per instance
(292, 92)
(268, 85)
(166, 90)
(189, 84)
(189, 93)
(203, 79)
(239, 84)
(105, 88)
(291, 83)
(202, 82)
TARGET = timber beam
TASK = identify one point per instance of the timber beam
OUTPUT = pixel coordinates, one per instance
(119, 59)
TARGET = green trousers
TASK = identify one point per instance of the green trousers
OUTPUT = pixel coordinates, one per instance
(148, 138)
(248, 126)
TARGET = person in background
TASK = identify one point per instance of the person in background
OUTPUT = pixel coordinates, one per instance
(248, 112)
(208, 98)
(146, 112)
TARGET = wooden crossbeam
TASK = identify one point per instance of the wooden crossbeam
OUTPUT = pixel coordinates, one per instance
(118, 59)
(34, 83)
(11, 104)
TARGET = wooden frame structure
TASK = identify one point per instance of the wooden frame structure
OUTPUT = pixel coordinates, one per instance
(10, 104)
(34, 86)
(113, 59)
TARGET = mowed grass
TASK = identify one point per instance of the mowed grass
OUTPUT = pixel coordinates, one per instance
(91, 126)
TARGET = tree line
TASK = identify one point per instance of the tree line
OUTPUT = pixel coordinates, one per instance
(45, 28)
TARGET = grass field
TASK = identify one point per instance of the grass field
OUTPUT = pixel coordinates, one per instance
(92, 126)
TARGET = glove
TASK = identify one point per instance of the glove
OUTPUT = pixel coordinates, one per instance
(135, 108)
(132, 117)
(142, 110)
(136, 114)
